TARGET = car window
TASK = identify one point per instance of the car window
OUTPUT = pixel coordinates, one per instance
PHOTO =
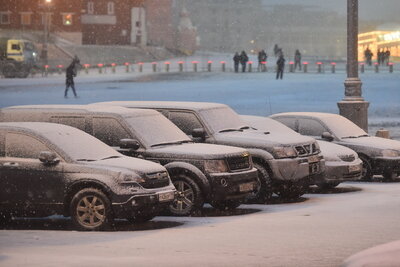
(73, 121)
(109, 130)
(311, 127)
(289, 122)
(23, 146)
(186, 121)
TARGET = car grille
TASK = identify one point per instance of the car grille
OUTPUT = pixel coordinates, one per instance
(306, 150)
(348, 158)
(239, 163)
(352, 175)
(156, 180)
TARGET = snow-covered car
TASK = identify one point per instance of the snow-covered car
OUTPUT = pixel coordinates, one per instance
(47, 168)
(379, 155)
(341, 163)
(385, 255)
(285, 166)
(220, 175)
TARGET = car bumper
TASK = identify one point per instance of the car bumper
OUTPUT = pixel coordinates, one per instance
(386, 164)
(292, 170)
(152, 202)
(235, 185)
(339, 171)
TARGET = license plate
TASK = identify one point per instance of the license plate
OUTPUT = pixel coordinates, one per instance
(314, 168)
(246, 187)
(166, 196)
(313, 159)
(354, 168)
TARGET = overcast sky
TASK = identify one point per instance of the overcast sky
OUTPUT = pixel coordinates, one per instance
(388, 10)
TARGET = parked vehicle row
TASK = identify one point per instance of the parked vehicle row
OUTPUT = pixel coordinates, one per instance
(133, 159)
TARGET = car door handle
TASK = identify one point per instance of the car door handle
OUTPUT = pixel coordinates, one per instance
(11, 164)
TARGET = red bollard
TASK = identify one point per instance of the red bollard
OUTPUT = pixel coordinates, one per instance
(391, 64)
(46, 70)
(376, 67)
(86, 66)
(195, 65)
(305, 67)
(333, 67)
(291, 66)
(223, 66)
(209, 63)
(167, 66)
(264, 66)
(154, 65)
(180, 64)
(362, 67)
(127, 67)
(59, 69)
(319, 64)
(100, 66)
(140, 66)
(113, 67)
(250, 66)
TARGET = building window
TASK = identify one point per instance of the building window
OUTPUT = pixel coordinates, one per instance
(26, 18)
(110, 8)
(5, 17)
(90, 7)
(67, 19)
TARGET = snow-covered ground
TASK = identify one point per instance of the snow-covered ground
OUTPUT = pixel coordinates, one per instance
(321, 231)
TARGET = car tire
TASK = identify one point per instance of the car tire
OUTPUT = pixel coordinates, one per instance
(190, 197)
(366, 174)
(226, 204)
(91, 210)
(289, 192)
(5, 218)
(389, 176)
(264, 191)
(328, 185)
(141, 217)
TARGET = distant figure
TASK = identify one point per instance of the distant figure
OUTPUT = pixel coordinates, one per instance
(380, 57)
(368, 56)
(262, 58)
(236, 61)
(276, 50)
(387, 56)
(280, 64)
(243, 60)
(297, 59)
(70, 74)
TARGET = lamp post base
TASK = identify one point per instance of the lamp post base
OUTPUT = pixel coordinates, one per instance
(356, 111)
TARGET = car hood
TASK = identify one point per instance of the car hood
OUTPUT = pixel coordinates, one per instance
(260, 139)
(128, 164)
(196, 151)
(374, 142)
(332, 151)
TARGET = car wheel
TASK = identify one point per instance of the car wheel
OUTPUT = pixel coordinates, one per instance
(5, 218)
(366, 170)
(264, 189)
(141, 217)
(327, 185)
(291, 191)
(91, 210)
(189, 197)
(226, 204)
(389, 175)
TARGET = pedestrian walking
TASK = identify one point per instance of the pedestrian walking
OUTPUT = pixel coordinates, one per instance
(387, 56)
(236, 61)
(280, 64)
(243, 60)
(262, 58)
(70, 74)
(380, 57)
(368, 56)
(297, 59)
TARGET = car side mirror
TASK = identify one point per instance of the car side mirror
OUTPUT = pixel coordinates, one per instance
(327, 136)
(48, 158)
(199, 133)
(129, 144)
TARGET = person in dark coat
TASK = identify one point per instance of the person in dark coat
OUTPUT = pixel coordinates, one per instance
(243, 60)
(387, 56)
(69, 75)
(280, 64)
(236, 61)
(262, 58)
(297, 59)
(380, 57)
(276, 50)
(368, 56)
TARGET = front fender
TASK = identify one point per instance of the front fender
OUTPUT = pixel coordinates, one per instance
(193, 171)
(261, 154)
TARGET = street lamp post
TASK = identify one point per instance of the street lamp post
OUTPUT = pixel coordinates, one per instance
(353, 105)
(46, 31)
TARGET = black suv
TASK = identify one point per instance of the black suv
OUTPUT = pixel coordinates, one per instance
(47, 169)
(221, 175)
(285, 166)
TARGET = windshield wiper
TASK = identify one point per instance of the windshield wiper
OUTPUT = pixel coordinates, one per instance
(230, 130)
(111, 157)
(364, 135)
(244, 128)
(86, 160)
(168, 143)
(352, 137)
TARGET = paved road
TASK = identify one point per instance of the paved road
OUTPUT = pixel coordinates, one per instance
(320, 231)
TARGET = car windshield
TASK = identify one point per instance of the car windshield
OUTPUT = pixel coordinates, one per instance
(155, 130)
(223, 119)
(80, 146)
(344, 128)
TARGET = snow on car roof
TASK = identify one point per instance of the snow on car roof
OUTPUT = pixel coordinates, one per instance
(197, 106)
(100, 109)
(37, 128)
(319, 115)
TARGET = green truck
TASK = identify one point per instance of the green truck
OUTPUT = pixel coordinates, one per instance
(17, 57)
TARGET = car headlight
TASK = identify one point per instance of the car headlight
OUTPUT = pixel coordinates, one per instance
(215, 166)
(284, 152)
(129, 179)
(390, 153)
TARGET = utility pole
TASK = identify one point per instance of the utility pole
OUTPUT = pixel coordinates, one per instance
(46, 23)
(353, 106)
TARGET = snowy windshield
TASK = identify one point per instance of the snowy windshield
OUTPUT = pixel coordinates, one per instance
(223, 119)
(156, 130)
(80, 146)
(344, 128)
(270, 125)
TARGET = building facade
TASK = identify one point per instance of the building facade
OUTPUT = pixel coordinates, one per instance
(379, 41)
